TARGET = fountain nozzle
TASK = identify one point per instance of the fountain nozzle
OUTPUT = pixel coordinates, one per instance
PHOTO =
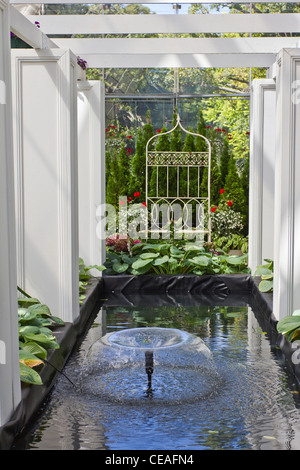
(149, 367)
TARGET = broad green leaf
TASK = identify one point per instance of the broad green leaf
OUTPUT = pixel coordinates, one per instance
(266, 286)
(193, 247)
(149, 255)
(235, 260)
(25, 315)
(160, 261)
(47, 341)
(29, 359)
(288, 323)
(29, 375)
(35, 348)
(201, 260)
(25, 303)
(120, 267)
(40, 309)
(141, 263)
(262, 270)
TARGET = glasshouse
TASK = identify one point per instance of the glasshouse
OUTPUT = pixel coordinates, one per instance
(150, 292)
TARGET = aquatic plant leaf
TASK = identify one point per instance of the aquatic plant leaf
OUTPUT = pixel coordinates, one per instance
(29, 375)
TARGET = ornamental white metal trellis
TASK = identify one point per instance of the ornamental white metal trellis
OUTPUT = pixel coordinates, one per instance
(185, 204)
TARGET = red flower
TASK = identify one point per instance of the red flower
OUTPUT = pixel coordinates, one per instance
(208, 127)
(213, 209)
(229, 203)
(247, 133)
(144, 204)
(129, 137)
(130, 198)
(218, 130)
(229, 138)
(223, 130)
(222, 191)
(158, 130)
(113, 127)
(106, 130)
(137, 194)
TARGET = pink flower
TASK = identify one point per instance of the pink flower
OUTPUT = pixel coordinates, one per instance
(135, 242)
(121, 203)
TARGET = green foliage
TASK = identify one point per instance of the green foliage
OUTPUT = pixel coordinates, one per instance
(231, 242)
(289, 326)
(165, 258)
(36, 324)
(85, 276)
(265, 271)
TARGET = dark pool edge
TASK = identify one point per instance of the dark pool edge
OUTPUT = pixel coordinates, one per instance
(33, 395)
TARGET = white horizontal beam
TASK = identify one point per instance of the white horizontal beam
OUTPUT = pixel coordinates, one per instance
(27, 31)
(139, 24)
(173, 46)
(148, 2)
(177, 60)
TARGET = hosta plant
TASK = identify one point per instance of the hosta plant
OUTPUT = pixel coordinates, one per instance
(36, 324)
(265, 271)
(290, 326)
(165, 258)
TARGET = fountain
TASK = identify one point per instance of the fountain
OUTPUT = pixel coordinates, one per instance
(179, 367)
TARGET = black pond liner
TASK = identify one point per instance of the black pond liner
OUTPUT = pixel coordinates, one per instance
(125, 290)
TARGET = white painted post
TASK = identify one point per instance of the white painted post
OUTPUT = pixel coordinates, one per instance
(262, 172)
(91, 169)
(45, 133)
(10, 388)
(286, 295)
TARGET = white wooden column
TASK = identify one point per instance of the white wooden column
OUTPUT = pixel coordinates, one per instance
(91, 168)
(262, 171)
(45, 135)
(10, 387)
(286, 295)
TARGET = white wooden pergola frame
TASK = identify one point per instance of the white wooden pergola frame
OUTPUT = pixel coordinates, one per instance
(54, 60)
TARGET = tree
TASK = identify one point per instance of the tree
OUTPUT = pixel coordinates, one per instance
(138, 168)
(159, 177)
(234, 190)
